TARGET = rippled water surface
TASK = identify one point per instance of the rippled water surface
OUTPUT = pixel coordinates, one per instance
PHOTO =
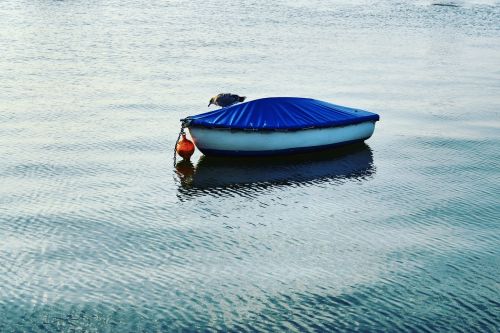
(100, 232)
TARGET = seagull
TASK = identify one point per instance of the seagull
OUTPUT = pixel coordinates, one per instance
(224, 100)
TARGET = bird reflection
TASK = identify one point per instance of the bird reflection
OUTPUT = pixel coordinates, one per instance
(214, 175)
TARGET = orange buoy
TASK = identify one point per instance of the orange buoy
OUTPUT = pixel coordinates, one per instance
(185, 148)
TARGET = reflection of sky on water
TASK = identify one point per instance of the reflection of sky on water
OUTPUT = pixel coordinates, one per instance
(99, 234)
(210, 175)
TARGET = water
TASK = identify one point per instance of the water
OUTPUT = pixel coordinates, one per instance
(100, 233)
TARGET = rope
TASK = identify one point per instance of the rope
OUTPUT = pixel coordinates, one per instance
(175, 146)
(181, 132)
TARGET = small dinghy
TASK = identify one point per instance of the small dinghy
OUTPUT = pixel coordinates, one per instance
(278, 125)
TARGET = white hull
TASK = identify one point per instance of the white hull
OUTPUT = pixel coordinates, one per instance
(214, 141)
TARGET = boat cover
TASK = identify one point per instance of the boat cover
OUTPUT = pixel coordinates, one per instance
(281, 113)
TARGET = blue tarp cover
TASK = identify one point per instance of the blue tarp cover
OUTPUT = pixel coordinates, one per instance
(282, 113)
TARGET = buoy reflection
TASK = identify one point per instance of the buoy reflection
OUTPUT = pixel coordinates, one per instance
(185, 171)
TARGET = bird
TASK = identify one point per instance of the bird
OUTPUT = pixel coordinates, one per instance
(224, 100)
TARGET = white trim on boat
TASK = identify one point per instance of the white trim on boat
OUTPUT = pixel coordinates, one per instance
(216, 139)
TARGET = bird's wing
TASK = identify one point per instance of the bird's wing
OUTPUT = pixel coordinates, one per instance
(226, 99)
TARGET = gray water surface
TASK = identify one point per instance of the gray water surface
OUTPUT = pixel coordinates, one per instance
(99, 232)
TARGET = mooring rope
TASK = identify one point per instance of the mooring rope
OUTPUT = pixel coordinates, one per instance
(181, 132)
(175, 146)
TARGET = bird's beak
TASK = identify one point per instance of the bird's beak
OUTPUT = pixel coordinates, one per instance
(209, 103)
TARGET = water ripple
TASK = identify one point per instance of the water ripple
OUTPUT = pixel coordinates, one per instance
(100, 234)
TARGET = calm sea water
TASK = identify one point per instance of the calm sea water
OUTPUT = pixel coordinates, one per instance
(100, 233)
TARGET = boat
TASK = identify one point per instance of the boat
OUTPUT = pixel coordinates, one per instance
(277, 126)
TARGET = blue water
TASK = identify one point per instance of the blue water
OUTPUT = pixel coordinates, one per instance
(99, 232)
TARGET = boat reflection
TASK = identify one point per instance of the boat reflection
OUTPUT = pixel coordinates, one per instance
(216, 175)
